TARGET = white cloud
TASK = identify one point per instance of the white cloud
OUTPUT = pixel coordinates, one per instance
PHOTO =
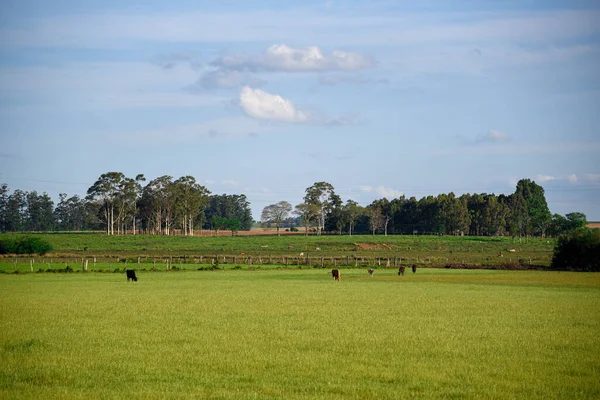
(224, 79)
(497, 136)
(544, 178)
(593, 177)
(285, 58)
(331, 80)
(572, 178)
(382, 191)
(262, 105)
(230, 182)
(492, 136)
(210, 182)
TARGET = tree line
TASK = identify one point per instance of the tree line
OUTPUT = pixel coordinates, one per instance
(119, 204)
(523, 213)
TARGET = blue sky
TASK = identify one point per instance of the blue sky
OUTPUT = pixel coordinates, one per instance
(378, 98)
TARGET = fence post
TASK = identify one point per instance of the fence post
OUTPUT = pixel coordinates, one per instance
(347, 263)
(307, 259)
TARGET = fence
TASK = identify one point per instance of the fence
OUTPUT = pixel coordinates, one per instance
(196, 261)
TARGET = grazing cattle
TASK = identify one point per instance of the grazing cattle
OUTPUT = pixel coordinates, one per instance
(131, 275)
(335, 274)
(371, 272)
(401, 270)
(414, 268)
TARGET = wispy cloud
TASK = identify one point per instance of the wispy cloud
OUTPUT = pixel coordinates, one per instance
(544, 178)
(593, 178)
(289, 59)
(332, 80)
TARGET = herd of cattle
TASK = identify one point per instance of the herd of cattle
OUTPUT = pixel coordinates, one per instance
(335, 273)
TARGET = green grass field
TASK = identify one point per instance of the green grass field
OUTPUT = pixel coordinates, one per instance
(422, 250)
(294, 333)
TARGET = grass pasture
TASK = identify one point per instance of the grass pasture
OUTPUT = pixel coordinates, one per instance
(362, 250)
(295, 333)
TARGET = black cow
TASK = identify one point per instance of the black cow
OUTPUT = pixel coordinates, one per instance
(371, 272)
(401, 270)
(335, 274)
(131, 275)
(414, 268)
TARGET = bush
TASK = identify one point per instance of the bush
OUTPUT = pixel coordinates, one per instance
(579, 251)
(25, 245)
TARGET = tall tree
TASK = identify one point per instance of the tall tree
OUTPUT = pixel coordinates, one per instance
(307, 213)
(539, 216)
(192, 198)
(40, 212)
(106, 191)
(376, 217)
(387, 213)
(320, 194)
(16, 207)
(276, 213)
(4, 193)
(351, 212)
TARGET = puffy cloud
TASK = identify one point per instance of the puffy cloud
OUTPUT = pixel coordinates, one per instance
(289, 59)
(262, 105)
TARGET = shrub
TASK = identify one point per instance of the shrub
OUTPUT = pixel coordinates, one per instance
(25, 245)
(578, 251)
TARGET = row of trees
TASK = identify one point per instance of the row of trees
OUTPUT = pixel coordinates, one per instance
(522, 213)
(119, 205)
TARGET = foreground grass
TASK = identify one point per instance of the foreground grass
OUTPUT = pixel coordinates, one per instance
(298, 334)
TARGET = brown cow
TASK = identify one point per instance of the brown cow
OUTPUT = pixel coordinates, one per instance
(371, 272)
(414, 268)
(401, 270)
(335, 274)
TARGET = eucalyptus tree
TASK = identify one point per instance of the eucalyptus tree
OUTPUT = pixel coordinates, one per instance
(16, 207)
(373, 211)
(40, 212)
(322, 195)
(72, 213)
(387, 212)
(192, 198)
(307, 213)
(157, 205)
(538, 214)
(106, 191)
(352, 211)
(276, 213)
(4, 193)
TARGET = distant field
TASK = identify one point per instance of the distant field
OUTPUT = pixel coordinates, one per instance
(594, 225)
(296, 334)
(358, 250)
